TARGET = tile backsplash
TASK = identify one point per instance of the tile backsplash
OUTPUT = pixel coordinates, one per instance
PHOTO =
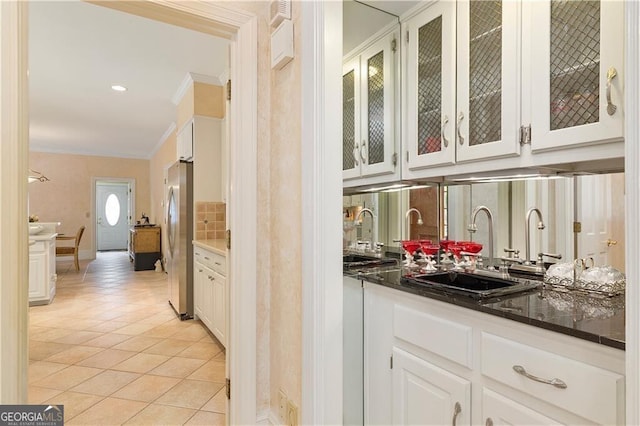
(211, 220)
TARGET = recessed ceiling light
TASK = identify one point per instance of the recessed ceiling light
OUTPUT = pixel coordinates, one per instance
(119, 88)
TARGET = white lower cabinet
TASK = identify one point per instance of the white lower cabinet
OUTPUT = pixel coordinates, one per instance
(431, 362)
(42, 271)
(498, 410)
(210, 299)
(426, 394)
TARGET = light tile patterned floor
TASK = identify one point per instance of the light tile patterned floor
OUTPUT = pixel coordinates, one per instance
(111, 349)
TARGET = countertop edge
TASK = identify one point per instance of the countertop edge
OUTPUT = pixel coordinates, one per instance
(216, 246)
(463, 303)
(43, 237)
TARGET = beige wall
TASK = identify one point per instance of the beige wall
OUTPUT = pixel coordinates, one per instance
(67, 197)
(286, 227)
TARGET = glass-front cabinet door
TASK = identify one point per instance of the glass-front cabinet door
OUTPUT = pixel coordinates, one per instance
(368, 83)
(351, 119)
(576, 66)
(429, 87)
(488, 95)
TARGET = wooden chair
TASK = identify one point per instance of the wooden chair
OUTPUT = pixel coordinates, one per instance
(70, 250)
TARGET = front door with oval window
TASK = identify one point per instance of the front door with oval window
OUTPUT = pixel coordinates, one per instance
(112, 215)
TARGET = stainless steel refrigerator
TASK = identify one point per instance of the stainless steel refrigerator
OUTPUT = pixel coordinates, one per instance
(179, 252)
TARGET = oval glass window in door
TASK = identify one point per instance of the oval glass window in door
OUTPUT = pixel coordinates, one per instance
(112, 209)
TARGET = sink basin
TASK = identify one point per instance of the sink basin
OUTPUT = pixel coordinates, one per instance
(34, 229)
(472, 285)
(358, 261)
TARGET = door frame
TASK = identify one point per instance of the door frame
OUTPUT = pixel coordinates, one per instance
(95, 181)
(216, 19)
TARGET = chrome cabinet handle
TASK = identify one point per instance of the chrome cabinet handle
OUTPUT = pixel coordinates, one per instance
(553, 382)
(489, 422)
(457, 409)
(445, 120)
(460, 118)
(611, 74)
(363, 157)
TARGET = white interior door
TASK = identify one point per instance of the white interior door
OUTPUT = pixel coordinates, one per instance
(596, 195)
(112, 215)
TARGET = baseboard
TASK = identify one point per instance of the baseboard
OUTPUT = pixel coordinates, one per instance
(82, 255)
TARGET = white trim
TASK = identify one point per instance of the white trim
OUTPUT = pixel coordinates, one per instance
(321, 205)
(242, 206)
(268, 417)
(14, 251)
(162, 140)
(207, 17)
(191, 78)
(632, 207)
(91, 153)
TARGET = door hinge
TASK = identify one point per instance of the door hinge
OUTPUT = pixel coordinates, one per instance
(228, 388)
(394, 45)
(407, 36)
(407, 156)
(394, 158)
(391, 362)
(228, 90)
(228, 238)
(577, 227)
(525, 134)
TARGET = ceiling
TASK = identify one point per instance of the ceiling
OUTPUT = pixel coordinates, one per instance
(77, 51)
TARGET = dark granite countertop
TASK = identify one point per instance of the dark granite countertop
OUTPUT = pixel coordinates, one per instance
(599, 320)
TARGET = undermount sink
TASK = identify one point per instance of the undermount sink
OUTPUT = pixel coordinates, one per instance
(472, 285)
(358, 261)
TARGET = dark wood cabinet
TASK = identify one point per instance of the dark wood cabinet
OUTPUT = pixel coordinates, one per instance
(144, 247)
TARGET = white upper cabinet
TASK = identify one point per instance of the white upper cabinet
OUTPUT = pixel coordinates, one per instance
(429, 87)
(185, 142)
(369, 139)
(482, 79)
(575, 65)
(488, 95)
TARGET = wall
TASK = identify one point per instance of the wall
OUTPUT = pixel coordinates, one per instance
(286, 221)
(67, 197)
(161, 160)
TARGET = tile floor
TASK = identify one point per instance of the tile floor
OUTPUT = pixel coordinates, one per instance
(111, 349)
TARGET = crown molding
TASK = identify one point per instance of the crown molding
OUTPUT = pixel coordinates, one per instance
(193, 77)
(163, 139)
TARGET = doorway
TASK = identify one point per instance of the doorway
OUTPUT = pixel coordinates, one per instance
(113, 214)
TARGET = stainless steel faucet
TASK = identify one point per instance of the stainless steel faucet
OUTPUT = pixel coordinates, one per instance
(407, 214)
(473, 228)
(527, 236)
(374, 230)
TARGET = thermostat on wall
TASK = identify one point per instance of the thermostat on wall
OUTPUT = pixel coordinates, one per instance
(282, 44)
(279, 11)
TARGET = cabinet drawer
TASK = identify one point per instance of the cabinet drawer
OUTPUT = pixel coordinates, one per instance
(590, 392)
(210, 259)
(442, 337)
(37, 247)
